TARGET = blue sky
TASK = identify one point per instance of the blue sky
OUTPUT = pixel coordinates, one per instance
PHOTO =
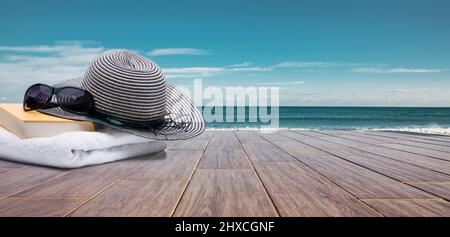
(387, 53)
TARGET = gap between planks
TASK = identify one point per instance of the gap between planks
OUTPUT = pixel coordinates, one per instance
(172, 212)
(357, 147)
(250, 167)
(110, 185)
(32, 186)
(411, 184)
(321, 175)
(257, 175)
(355, 135)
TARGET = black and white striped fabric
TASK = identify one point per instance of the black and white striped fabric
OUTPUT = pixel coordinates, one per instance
(129, 87)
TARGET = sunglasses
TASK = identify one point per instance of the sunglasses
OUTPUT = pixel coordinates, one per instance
(71, 99)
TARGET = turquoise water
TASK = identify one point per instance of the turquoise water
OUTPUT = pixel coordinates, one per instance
(350, 118)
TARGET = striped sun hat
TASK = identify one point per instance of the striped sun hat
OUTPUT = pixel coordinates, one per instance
(132, 95)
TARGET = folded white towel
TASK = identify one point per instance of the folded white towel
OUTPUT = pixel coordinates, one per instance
(76, 149)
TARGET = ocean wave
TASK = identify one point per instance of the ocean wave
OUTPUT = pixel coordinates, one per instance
(434, 130)
(251, 129)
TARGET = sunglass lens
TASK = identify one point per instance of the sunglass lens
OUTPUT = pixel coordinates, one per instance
(37, 96)
(75, 100)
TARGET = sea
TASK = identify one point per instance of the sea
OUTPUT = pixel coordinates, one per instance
(403, 119)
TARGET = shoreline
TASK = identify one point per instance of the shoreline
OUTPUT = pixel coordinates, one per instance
(408, 130)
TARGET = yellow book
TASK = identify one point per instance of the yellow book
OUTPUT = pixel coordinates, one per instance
(34, 124)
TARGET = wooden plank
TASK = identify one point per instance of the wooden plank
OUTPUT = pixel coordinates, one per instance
(361, 182)
(405, 144)
(292, 147)
(40, 207)
(163, 176)
(23, 178)
(10, 165)
(296, 190)
(419, 150)
(169, 165)
(225, 192)
(445, 147)
(300, 135)
(313, 142)
(356, 137)
(411, 208)
(246, 136)
(84, 182)
(441, 189)
(258, 149)
(395, 169)
(135, 198)
(318, 134)
(412, 138)
(434, 164)
(311, 185)
(389, 167)
(414, 159)
(4, 170)
(195, 144)
(400, 147)
(224, 152)
(430, 137)
(314, 133)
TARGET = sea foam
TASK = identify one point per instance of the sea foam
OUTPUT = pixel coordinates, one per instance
(434, 130)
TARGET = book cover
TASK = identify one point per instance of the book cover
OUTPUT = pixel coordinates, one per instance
(34, 124)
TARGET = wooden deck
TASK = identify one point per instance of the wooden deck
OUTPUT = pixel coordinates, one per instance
(246, 173)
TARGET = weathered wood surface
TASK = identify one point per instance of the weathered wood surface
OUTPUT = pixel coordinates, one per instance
(247, 173)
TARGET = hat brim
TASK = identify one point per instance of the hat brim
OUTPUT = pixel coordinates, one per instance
(179, 108)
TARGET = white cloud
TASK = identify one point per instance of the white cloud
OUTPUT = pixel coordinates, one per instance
(301, 64)
(178, 51)
(194, 72)
(395, 70)
(399, 91)
(251, 69)
(21, 66)
(246, 64)
(284, 83)
(35, 49)
(24, 65)
(191, 72)
(327, 95)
